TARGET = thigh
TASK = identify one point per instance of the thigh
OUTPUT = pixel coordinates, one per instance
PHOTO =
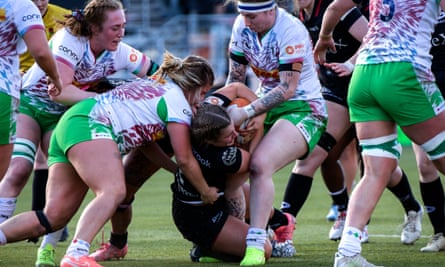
(232, 238)
(338, 121)
(424, 131)
(200, 225)
(65, 192)
(28, 128)
(282, 144)
(99, 164)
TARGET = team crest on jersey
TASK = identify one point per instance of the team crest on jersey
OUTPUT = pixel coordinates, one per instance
(229, 156)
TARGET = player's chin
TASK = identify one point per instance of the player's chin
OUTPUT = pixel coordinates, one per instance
(113, 46)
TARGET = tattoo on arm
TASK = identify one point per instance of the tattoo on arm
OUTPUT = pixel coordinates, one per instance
(237, 72)
(280, 93)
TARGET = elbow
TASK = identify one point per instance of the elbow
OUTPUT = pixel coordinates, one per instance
(185, 161)
(181, 164)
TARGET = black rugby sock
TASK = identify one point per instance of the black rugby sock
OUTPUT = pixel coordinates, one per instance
(405, 195)
(433, 199)
(297, 191)
(38, 189)
(119, 240)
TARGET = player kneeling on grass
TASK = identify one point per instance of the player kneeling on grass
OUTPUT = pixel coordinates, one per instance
(219, 229)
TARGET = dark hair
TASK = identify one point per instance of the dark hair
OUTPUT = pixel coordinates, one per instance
(208, 122)
(79, 22)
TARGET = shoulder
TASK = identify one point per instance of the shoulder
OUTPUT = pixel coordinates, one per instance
(24, 13)
(66, 37)
(287, 22)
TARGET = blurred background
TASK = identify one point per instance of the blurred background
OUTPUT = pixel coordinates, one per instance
(183, 27)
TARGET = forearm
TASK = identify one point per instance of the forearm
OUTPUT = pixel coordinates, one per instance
(237, 89)
(156, 155)
(71, 94)
(332, 16)
(47, 63)
(38, 48)
(281, 93)
(237, 72)
(192, 171)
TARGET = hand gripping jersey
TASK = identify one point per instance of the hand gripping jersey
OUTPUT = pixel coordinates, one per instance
(346, 45)
(216, 163)
(16, 18)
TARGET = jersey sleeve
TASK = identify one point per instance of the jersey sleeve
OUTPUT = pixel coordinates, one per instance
(173, 107)
(27, 17)
(292, 45)
(235, 45)
(67, 48)
(229, 159)
(131, 59)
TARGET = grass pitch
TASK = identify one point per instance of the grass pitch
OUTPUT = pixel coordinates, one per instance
(154, 240)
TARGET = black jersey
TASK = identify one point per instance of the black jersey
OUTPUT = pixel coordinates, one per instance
(215, 163)
(345, 44)
(438, 45)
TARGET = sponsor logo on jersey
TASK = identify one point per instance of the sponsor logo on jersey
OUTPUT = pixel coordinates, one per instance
(187, 112)
(291, 49)
(68, 52)
(101, 136)
(202, 161)
(133, 57)
(32, 17)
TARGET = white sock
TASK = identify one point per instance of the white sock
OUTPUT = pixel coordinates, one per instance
(51, 238)
(7, 207)
(3, 240)
(350, 244)
(256, 237)
(78, 248)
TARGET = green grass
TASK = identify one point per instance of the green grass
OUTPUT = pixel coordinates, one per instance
(154, 240)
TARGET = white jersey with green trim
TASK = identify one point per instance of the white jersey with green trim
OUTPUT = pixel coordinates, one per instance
(76, 53)
(139, 111)
(287, 42)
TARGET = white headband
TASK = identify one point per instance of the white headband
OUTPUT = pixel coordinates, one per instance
(255, 7)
